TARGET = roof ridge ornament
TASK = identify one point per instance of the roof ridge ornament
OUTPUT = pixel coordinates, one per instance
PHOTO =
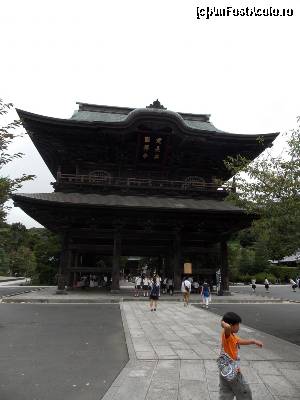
(156, 104)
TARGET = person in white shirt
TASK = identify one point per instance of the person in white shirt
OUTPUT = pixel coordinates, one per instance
(164, 285)
(294, 284)
(196, 286)
(253, 285)
(267, 285)
(170, 286)
(138, 281)
(186, 290)
(146, 283)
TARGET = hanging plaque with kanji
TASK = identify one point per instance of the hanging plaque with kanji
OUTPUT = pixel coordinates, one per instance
(152, 148)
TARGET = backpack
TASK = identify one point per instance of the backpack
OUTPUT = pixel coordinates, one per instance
(186, 288)
(154, 290)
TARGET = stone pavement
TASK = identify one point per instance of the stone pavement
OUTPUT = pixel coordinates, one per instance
(173, 355)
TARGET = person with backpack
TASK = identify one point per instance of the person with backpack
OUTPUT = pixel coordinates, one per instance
(186, 290)
(205, 293)
(294, 284)
(154, 293)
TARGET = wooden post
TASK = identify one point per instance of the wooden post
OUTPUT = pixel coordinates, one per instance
(224, 266)
(64, 276)
(115, 286)
(63, 267)
(70, 262)
(177, 259)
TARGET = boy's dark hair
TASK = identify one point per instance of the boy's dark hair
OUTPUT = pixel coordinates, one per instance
(231, 318)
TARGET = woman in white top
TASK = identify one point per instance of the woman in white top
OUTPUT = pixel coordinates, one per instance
(267, 285)
(138, 281)
(146, 286)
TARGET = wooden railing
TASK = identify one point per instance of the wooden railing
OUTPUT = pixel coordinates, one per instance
(139, 183)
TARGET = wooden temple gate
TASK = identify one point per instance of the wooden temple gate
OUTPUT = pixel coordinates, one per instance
(145, 181)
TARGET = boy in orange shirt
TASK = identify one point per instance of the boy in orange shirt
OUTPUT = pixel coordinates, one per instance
(231, 343)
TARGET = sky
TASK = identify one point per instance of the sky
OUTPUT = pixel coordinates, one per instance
(243, 70)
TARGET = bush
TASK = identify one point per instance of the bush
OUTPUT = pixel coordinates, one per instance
(246, 278)
(260, 278)
(284, 273)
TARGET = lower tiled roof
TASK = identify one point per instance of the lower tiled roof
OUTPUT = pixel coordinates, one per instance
(123, 201)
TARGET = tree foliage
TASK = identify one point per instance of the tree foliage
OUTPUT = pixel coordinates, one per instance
(32, 253)
(8, 132)
(269, 186)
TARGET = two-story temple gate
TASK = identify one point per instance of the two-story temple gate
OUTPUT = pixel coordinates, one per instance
(144, 181)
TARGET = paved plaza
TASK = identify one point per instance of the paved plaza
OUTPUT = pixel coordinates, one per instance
(173, 351)
(173, 355)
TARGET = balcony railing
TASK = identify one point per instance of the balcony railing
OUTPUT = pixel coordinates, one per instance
(138, 183)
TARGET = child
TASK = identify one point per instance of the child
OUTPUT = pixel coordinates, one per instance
(205, 293)
(231, 344)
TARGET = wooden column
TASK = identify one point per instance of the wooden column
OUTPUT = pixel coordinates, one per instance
(224, 266)
(178, 269)
(64, 265)
(115, 286)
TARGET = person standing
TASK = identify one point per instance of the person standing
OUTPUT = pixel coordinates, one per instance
(186, 290)
(146, 286)
(267, 285)
(164, 286)
(253, 284)
(154, 293)
(196, 286)
(138, 281)
(205, 293)
(170, 286)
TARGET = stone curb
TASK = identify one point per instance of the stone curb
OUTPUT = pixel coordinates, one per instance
(11, 299)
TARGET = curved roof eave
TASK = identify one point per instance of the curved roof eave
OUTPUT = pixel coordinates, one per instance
(127, 202)
(141, 113)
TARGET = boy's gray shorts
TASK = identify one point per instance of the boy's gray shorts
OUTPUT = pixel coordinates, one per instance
(238, 387)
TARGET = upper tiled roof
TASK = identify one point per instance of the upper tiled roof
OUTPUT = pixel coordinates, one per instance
(95, 113)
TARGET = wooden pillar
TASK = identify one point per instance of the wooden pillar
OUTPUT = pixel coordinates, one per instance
(70, 263)
(115, 286)
(224, 266)
(75, 264)
(64, 266)
(177, 259)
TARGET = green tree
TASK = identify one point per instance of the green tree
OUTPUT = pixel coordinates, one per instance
(46, 247)
(12, 237)
(8, 132)
(32, 253)
(269, 187)
(22, 262)
(4, 262)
